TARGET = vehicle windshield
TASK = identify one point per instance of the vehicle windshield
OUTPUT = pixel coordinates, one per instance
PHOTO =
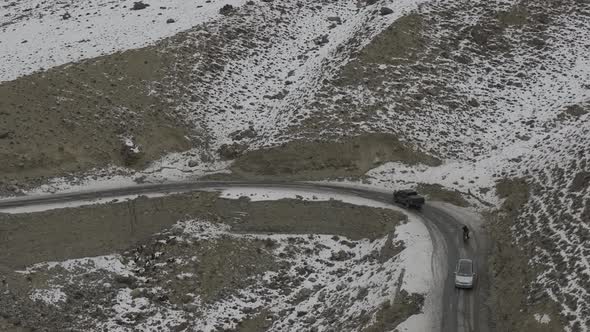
(464, 268)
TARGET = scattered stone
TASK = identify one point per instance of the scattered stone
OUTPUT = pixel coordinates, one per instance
(130, 152)
(479, 35)
(140, 179)
(170, 20)
(278, 96)
(580, 182)
(537, 43)
(463, 59)
(311, 320)
(126, 281)
(193, 163)
(228, 152)
(341, 256)
(473, 102)
(227, 10)
(321, 40)
(239, 135)
(348, 243)
(180, 327)
(362, 293)
(136, 293)
(573, 110)
(385, 11)
(335, 19)
(139, 5)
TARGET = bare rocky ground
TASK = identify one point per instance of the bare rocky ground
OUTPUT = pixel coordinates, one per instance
(306, 160)
(169, 273)
(434, 52)
(511, 275)
(415, 91)
(160, 98)
(74, 118)
(439, 193)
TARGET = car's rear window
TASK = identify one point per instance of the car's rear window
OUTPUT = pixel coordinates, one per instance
(464, 268)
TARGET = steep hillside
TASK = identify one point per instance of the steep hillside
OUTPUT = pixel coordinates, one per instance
(479, 102)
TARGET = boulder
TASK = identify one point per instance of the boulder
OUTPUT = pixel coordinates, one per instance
(139, 5)
(228, 152)
(227, 10)
(130, 152)
(385, 11)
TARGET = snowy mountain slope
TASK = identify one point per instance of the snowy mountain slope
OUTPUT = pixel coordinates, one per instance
(479, 82)
(245, 77)
(495, 88)
(37, 35)
(557, 221)
(529, 120)
(219, 60)
(307, 281)
(464, 90)
(272, 63)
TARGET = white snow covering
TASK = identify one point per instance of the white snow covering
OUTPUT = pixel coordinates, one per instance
(485, 143)
(270, 193)
(109, 263)
(126, 304)
(73, 204)
(339, 283)
(65, 272)
(418, 278)
(201, 230)
(295, 53)
(524, 132)
(543, 319)
(297, 56)
(53, 296)
(292, 54)
(35, 35)
(172, 167)
(515, 132)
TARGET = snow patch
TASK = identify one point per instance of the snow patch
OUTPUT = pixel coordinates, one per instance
(37, 35)
(543, 319)
(53, 296)
(74, 204)
(108, 263)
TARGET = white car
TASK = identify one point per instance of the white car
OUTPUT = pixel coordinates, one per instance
(464, 274)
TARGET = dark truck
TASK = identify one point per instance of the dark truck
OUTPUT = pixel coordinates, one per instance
(408, 198)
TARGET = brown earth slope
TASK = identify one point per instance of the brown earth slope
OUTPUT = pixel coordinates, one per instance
(75, 117)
